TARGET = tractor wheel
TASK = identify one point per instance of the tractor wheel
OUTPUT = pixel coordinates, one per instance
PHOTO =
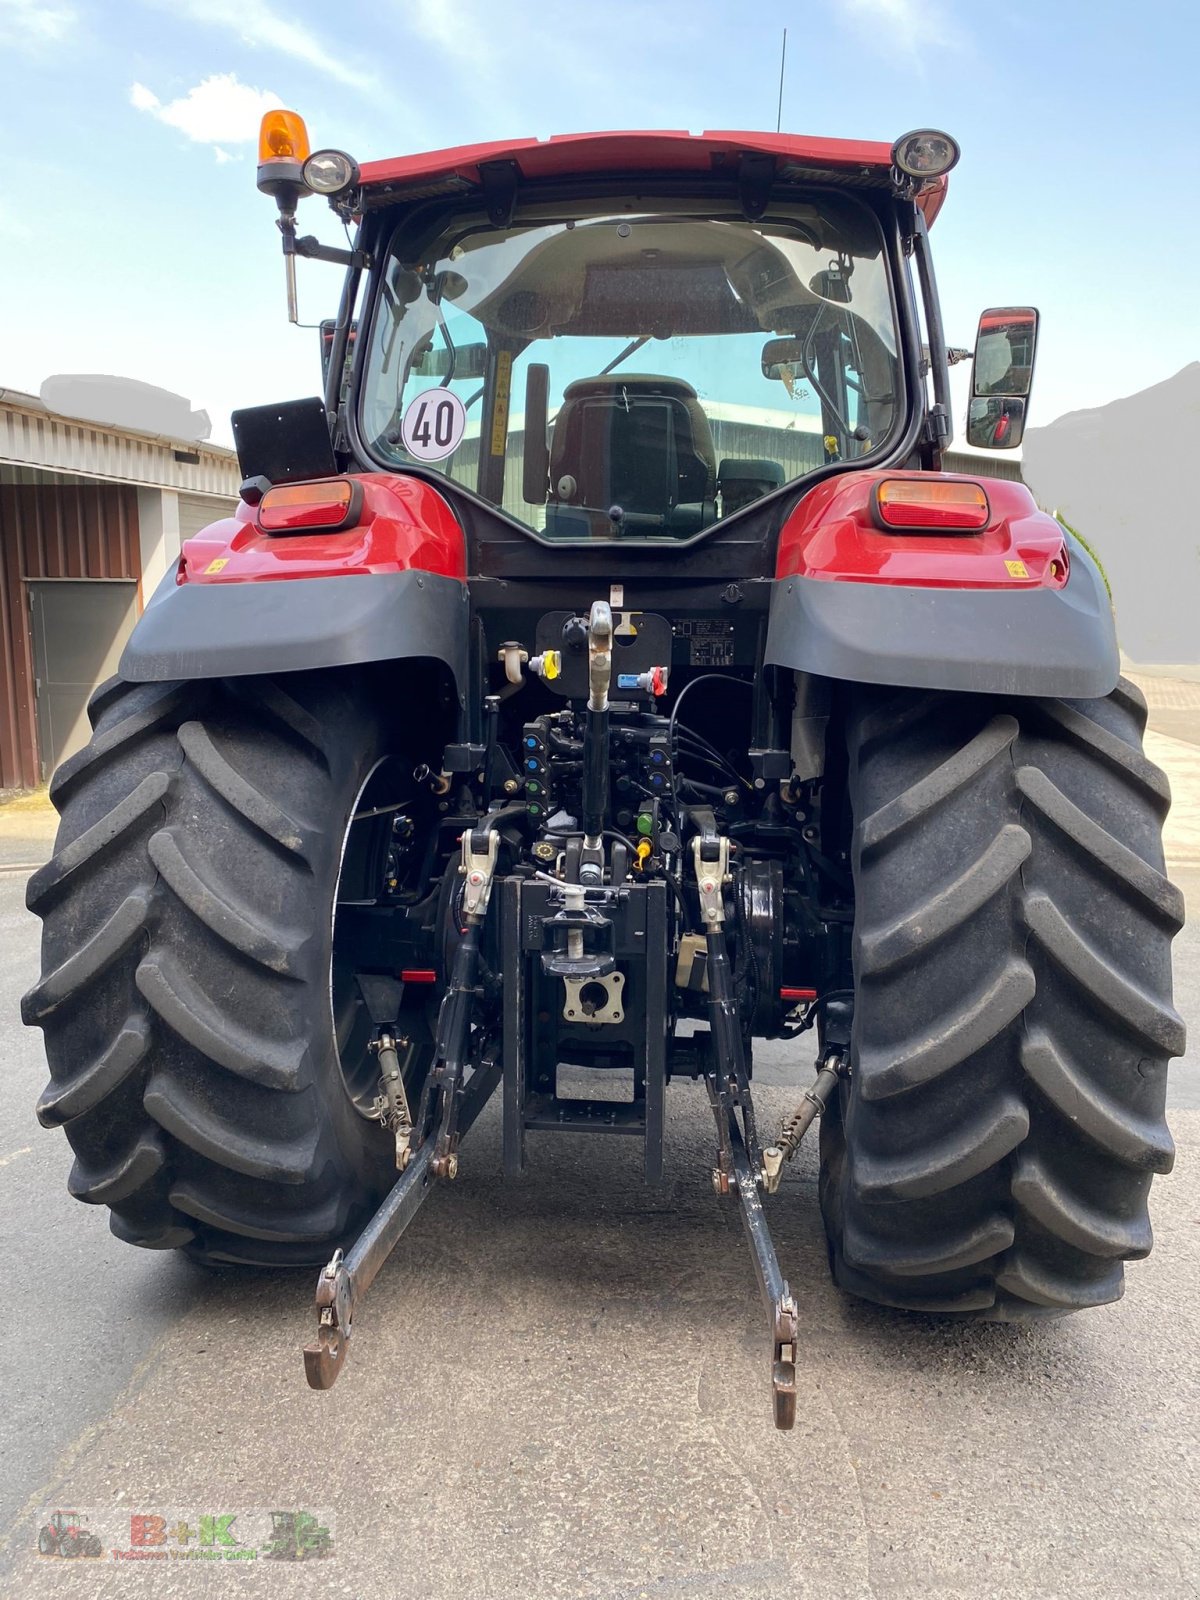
(47, 1542)
(188, 990)
(992, 1151)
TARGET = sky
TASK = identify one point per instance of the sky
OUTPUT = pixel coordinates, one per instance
(133, 240)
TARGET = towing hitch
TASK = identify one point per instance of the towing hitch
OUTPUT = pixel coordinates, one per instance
(346, 1279)
(466, 1071)
(773, 1286)
(450, 1102)
(743, 1164)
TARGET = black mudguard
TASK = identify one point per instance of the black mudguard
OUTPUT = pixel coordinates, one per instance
(1054, 642)
(231, 630)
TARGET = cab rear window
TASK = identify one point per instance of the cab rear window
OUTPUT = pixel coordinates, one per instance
(635, 375)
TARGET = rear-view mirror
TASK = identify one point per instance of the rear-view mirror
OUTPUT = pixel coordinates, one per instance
(996, 423)
(463, 361)
(1001, 377)
(780, 353)
(1004, 351)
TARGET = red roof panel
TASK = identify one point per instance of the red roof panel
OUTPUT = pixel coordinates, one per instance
(570, 154)
(599, 152)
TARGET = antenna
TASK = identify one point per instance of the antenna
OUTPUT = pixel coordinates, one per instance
(782, 65)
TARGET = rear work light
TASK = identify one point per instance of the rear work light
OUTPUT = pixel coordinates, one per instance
(325, 506)
(914, 505)
(925, 153)
(330, 171)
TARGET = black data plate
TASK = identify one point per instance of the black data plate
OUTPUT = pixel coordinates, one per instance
(710, 644)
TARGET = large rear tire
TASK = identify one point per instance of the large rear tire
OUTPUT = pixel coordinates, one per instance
(186, 953)
(993, 1150)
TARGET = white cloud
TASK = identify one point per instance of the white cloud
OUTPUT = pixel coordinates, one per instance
(458, 27)
(906, 25)
(217, 111)
(257, 24)
(28, 24)
(143, 99)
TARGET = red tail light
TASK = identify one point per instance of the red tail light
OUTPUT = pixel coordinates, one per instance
(931, 505)
(326, 506)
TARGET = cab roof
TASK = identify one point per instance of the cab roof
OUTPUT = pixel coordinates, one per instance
(797, 157)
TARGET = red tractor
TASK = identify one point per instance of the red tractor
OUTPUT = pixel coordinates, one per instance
(605, 672)
(66, 1534)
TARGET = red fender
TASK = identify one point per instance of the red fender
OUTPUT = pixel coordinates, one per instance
(833, 535)
(404, 525)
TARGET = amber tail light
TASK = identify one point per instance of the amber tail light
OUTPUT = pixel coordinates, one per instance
(931, 505)
(321, 507)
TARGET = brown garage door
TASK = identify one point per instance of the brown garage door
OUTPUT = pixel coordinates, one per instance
(51, 527)
(79, 631)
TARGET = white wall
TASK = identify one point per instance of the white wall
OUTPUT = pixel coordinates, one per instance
(158, 535)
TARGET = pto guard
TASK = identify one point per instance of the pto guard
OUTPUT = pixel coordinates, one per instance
(244, 602)
(1018, 608)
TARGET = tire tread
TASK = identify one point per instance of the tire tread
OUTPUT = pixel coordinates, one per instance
(993, 1153)
(185, 988)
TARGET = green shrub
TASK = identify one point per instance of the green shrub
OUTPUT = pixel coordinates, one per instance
(1075, 534)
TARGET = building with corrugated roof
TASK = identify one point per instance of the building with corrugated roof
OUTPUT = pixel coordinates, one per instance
(91, 517)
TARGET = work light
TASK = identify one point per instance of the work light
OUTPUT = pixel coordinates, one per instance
(925, 153)
(330, 171)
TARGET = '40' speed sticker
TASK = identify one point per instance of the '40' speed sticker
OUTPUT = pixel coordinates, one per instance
(433, 425)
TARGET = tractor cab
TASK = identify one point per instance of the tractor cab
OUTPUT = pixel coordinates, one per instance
(632, 365)
(628, 337)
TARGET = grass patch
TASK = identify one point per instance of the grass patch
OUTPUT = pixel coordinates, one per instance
(1075, 534)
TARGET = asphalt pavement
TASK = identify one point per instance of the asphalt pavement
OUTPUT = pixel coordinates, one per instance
(559, 1385)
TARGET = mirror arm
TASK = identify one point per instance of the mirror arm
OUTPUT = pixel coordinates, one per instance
(312, 249)
(939, 362)
(939, 429)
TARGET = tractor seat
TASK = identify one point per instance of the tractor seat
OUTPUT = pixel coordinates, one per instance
(635, 441)
(742, 481)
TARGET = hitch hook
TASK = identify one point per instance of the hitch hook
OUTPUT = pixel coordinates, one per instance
(323, 1360)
